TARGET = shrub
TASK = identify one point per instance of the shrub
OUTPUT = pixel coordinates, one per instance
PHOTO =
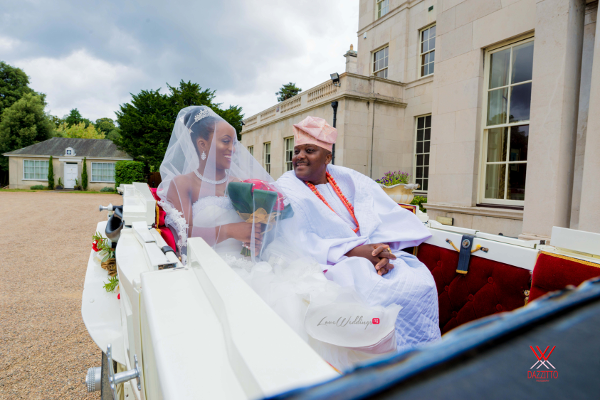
(419, 200)
(84, 175)
(50, 175)
(38, 187)
(107, 189)
(59, 186)
(128, 172)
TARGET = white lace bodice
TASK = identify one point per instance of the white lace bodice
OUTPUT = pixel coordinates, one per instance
(213, 211)
(218, 201)
(208, 212)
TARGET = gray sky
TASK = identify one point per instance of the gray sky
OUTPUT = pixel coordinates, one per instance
(91, 54)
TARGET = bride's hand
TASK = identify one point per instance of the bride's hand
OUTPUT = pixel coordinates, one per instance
(242, 231)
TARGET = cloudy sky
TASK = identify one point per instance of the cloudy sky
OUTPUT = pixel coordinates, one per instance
(91, 55)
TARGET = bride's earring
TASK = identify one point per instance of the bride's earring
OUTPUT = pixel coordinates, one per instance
(203, 156)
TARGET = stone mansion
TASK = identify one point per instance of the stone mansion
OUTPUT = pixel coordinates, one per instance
(484, 102)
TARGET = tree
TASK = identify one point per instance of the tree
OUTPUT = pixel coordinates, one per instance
(287, 91)
(108, 128)
(84, 175)
(78, 131)
(233, 115)
(146, 123)
(23, 124)
(13, 85)
(75, 118)
(50, 174)
(114, 135)
(191, 94)
(56, 120)
(104, 125)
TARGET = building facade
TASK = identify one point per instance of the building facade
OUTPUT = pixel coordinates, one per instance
(484, 102)
(29, 166)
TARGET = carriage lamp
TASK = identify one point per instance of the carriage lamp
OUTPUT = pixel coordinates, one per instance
(335, 78)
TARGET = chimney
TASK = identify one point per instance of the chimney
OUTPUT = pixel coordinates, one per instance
(351, 60)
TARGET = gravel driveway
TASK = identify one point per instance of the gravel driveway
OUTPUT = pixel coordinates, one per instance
(45, 239)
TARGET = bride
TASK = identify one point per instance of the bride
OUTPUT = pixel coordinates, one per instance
(202, 158)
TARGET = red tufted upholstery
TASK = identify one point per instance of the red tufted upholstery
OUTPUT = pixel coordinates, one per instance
(555, 272)
(165, 232)
(488, 288)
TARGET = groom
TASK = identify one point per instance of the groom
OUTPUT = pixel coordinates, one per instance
(352, 228)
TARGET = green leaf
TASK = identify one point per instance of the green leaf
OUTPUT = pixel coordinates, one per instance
(112, 284)
(240, 194)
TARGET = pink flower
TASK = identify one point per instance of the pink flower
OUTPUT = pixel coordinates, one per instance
(262, 185)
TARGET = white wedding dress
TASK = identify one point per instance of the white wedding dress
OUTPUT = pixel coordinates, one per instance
(287, 283)
(335, 321)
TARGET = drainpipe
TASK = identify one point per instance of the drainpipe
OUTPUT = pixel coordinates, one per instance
(334, 105)
(372, 126)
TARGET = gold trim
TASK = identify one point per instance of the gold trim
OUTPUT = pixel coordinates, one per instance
(579, 253)
(589, 263)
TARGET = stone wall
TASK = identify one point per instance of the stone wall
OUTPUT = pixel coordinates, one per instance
(16, 180)
(377, 117)
(370, 121)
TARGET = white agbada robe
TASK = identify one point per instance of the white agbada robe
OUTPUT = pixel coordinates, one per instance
(327, 237)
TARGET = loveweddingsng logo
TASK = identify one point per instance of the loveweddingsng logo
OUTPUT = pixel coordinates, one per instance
(342, 322)
(542, 360)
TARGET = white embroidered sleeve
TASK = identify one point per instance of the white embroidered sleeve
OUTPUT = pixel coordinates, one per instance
(175, 220)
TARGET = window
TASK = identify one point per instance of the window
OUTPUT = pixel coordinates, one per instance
(267, 156)
(251, 150)
(380, 63)
(422, 143)
(288, 152)
(506, 122)
(103, 172)
(68, 152)
(427, 50)
(382, 7)
(35, 170)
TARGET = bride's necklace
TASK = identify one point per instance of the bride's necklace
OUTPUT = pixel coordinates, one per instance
(210, 180)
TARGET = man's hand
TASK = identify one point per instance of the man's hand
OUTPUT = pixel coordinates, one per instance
(378, 253)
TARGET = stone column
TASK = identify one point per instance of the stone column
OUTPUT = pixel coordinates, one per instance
(587, 60)
(589, 211)
(554, 108)
(351, 60)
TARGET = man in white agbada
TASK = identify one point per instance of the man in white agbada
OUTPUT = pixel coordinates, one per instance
(354, 230)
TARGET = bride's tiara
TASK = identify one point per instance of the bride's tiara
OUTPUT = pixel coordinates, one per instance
(206, 112)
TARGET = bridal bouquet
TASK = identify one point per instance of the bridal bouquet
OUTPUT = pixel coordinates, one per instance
(258, 201)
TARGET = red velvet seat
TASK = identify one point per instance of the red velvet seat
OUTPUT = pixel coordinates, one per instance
(165, 232)
(489, 287)
(555, 272)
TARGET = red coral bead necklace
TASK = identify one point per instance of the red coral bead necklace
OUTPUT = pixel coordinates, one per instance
(338, 191)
